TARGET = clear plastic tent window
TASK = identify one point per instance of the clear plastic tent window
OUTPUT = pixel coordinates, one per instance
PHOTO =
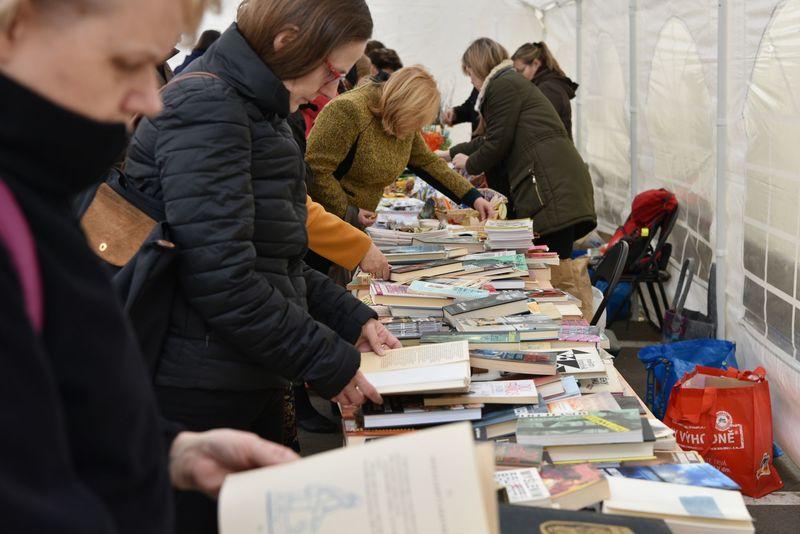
(670, 138)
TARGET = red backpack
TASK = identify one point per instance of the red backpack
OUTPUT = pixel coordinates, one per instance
(649, 212)
(16, 237)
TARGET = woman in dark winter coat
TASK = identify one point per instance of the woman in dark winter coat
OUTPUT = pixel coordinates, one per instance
(536, 63)
(525, 152)
(207, 38)
(83, 448)
(250, 316)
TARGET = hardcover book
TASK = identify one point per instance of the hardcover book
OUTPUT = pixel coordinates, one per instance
(612, 426)
(523, 486)
(500, 304)
(574, 486)
(518, 455)
(698, 474)
(532, 363)
(500, 392)
(410, 411)
(447, 291)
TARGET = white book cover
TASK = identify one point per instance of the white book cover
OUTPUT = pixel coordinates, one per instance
(523, 486)
(633, 496)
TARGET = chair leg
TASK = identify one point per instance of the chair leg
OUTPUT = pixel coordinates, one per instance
(663, 295)
(656, 306)
(645, 308)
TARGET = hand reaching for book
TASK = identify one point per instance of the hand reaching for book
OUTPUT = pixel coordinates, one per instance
(357, 392)
(375, 263)
(200, 461)
(376, 338)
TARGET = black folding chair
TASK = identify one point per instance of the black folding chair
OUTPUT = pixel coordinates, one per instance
(648, 266)
(610, 270)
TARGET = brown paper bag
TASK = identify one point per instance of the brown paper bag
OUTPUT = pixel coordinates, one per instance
(572, 276)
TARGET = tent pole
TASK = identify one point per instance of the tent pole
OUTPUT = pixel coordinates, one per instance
(579, 75)
(633, 95)
(721, 211)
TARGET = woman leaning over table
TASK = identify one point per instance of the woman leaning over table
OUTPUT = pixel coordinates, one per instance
(525, 152)
(250, 316)
(365, 138)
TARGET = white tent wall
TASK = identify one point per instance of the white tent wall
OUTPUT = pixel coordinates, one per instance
(434, 34)
(677, 75)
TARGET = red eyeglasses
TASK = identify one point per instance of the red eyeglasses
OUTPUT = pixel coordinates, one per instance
(332, 75)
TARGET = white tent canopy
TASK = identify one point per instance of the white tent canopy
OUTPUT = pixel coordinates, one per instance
(698, 96)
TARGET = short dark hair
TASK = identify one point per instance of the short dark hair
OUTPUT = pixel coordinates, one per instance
(373, 45)
(385, 59)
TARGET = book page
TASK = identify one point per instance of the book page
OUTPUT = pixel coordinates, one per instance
(424, 482)
(411, 357)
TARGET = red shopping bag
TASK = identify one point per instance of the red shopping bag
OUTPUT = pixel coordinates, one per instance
(726, 416)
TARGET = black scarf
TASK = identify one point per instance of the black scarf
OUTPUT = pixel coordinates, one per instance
(50, 149)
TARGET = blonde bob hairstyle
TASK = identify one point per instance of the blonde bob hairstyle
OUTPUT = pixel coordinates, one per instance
(482, 56)
(192, 9)
(408, 101)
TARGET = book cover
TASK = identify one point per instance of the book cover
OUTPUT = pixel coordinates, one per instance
(590, 427)
(497, 337)
(578, 361)
(538, 358)
(491, 301)
(499, 392)
(518, 455)
(406, 269)
(415, 249)
(568, 478)
(584, 403)
(698, 474)
(523, 486)
(444, 290)
(527, 520)
(410, 410)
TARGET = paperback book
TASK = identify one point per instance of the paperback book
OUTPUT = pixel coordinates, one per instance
(612, 426)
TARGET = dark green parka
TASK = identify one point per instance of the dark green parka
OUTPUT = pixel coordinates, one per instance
(528, 156)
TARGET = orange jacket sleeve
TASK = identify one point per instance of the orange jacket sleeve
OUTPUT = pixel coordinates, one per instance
(333, 239)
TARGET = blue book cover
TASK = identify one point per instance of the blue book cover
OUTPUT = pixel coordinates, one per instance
(703, 475)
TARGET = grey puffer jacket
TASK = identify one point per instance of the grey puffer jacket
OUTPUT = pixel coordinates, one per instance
(250, 314)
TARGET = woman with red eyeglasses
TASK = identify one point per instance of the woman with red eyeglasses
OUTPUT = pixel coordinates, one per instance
(250, 317)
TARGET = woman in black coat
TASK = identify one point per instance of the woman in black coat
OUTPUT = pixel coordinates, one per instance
(537, 64)
(250, 317)
(83, 448)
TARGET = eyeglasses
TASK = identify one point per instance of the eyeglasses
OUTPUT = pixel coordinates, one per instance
(332, 75)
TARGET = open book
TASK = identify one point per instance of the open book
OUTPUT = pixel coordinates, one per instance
(431, 368)
(434, 481)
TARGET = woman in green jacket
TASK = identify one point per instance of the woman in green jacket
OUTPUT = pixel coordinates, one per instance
(364, 139)
(525, 152)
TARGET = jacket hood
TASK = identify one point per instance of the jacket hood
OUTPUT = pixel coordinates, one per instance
(494, 73)
(546, 75)
(235, 61)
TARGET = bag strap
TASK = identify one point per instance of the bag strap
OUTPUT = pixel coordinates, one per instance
(16, 236)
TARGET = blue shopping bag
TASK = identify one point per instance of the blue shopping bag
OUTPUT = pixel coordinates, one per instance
(667, 363)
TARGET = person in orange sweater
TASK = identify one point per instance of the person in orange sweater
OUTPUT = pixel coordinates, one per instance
(343, 244)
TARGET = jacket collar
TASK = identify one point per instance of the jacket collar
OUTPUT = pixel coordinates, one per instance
(500, 69)
(51, 149)
(234, 60)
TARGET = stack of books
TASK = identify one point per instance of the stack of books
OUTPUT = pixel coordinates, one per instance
(509, 235)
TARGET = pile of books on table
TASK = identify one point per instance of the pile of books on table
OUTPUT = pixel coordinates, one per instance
(489, 343)
(513, 234)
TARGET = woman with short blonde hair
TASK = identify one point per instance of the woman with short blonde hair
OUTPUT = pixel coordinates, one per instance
(365, 138)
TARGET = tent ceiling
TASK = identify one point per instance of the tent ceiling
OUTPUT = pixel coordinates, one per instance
(544, 5)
